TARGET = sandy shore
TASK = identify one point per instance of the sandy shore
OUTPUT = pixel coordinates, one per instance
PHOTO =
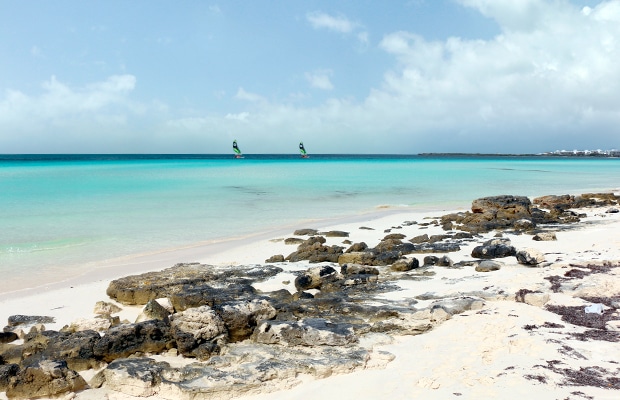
(483, 353)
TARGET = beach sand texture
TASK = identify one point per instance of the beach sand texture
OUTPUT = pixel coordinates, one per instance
(501, 349)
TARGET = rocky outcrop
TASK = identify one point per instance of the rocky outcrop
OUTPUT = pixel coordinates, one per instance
(48, 378)
(198, 332)
(152, 336)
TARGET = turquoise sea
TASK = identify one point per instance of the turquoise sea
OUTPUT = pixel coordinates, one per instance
(68, 212)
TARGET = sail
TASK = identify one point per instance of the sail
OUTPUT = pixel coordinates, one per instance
(302, 149)
(236, 149)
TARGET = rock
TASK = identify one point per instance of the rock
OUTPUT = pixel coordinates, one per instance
(8, 337)
(205, 295)
(420, 239)
(74, 348)
(506, 206)
(444, 261)
(7, 371)
(488, 266)
(104, 307)
(90, 324)
(545, 236)
(291, 241)
(533, 298)
(29, 320)
(404, 265)
(523, 224)
(152, 336)
(531, 257)
(139, 377)
(275, 259)
(612, 210)
(394, 236)
(314, 250)
(437, 247)
(48, 378)
(307, 332)
(305, 232)
(552, 202)
(394, 245)
(197, 330)
(430, 261)
(315, 277)
(357, 269)
(495, 248)
(241, 317)
(357, 247)
(139, 289)
(335, 234)
(438, 238)
(153, 310)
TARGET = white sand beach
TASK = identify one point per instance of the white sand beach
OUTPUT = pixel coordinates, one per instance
(503, 350)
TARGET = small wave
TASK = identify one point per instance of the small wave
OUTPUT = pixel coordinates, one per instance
(34, 247)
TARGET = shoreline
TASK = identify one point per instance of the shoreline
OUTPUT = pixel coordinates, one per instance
(484, 365)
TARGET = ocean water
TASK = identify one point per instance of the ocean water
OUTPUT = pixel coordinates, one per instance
(63, 213)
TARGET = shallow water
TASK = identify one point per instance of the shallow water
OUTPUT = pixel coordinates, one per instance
(68, 213)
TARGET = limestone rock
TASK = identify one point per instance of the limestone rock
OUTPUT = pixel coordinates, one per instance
(307, 332)
(196, 331)
(545, 237)
(488, 266)
(275, 258)
(87, 324)
(240, 318)
(105, 307)
(404, 265)
(315, 277)
(358, 269)
(531, 257)
(124, 340)
(48, 378)
(153, 310)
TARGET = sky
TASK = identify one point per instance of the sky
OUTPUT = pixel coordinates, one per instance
(343, 76)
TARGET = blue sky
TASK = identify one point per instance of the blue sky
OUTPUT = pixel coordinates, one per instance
(411, 76)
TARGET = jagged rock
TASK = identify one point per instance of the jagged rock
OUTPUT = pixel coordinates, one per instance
(275, 258)
(335, 234)
(545, 236)
(198, 331)
(240, 318)
(488, 266)
(315, 277)
(357, 247)
(419, 239)
(494, 248)
(305, 232)
(139, 289)
(533, 298)
(124, 340)
(205, 295)
(8, 337)
(314, 250)
(104, 307)
(76, 349)
(48, 378)
(6, 373)
(358, 269)
(153, 310)
(404, 265)
(307, 332)
(530, 257)
(523, 224)
(437, 247)
(29, 320)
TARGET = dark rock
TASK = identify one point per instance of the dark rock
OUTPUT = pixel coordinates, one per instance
(241, 317)
(438, 247)
(275, 259)
(152, 336)
(198, 332)
(420, 239)
(205, 295)
(545, 236)
(404, 265)
(305, 232)
(48, 378)
(139, 289)
(76, 349)
(495, 248)
(335, 234)
(6, 373)
(8, 337)
(430, 261)
(18, 320)
(314, 250)
(315, 277)
(361, 246)
(394, 236)
(296, 241)
(356, 269)
(153, 310)
(308, 332)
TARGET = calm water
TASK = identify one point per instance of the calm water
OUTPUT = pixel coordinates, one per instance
(63, 212)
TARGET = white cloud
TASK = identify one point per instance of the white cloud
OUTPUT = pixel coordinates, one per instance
(251, 97)
(340, 24)
(320, 79)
